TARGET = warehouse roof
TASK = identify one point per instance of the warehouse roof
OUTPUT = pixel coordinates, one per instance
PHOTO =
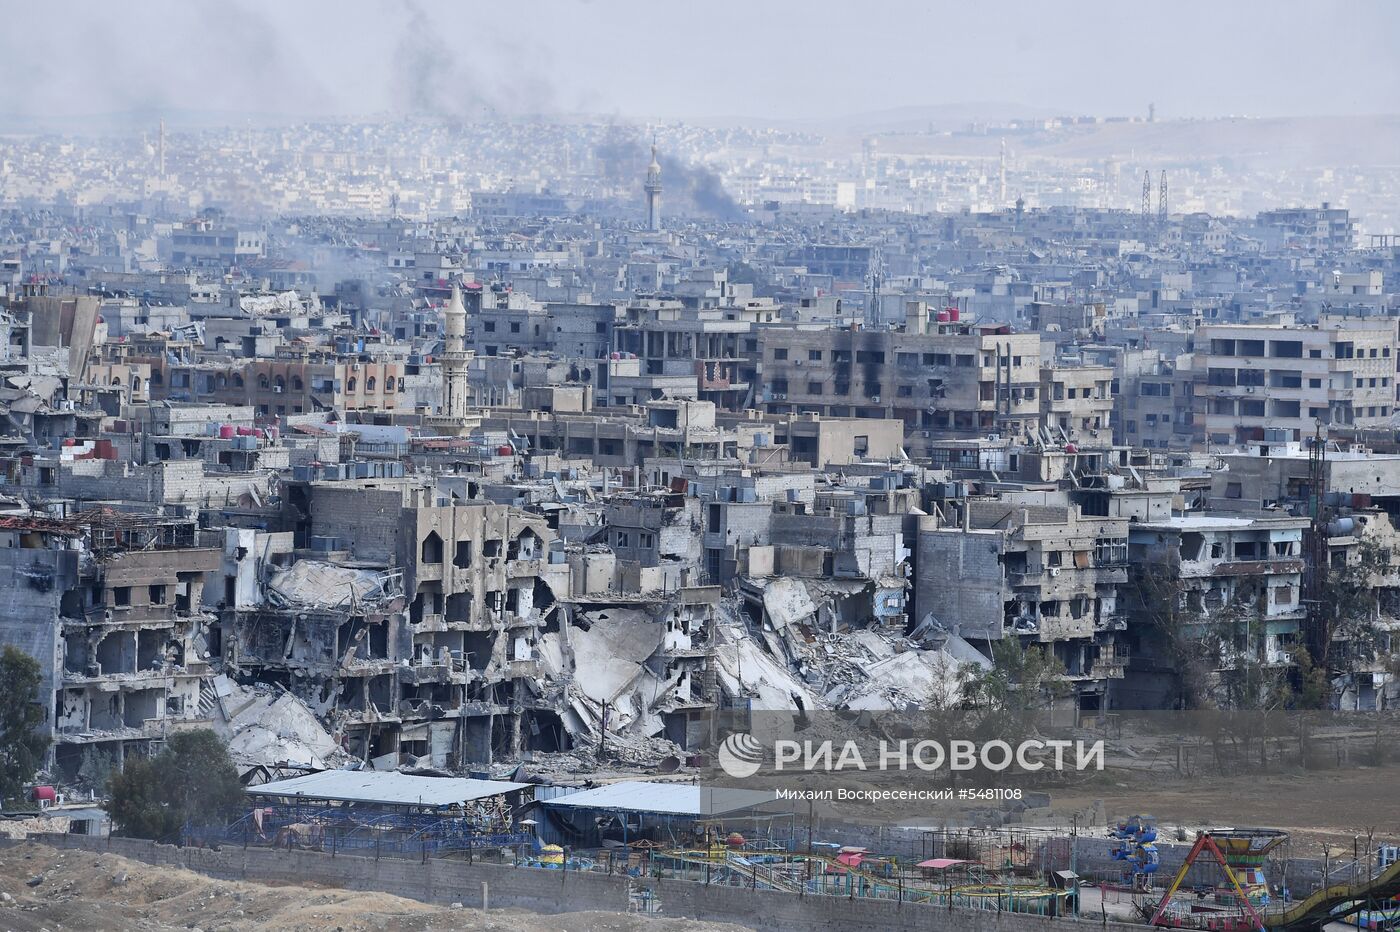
(668, 798)
(388, 788)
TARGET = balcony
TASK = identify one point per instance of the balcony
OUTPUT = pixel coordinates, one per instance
(520, 669)
(517, 569)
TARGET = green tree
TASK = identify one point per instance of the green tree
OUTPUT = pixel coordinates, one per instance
(1020, 679)
(1350, 607)
(1173, 620)
(1010, 695)
(96, 768)
(22, 746)
(191, 781)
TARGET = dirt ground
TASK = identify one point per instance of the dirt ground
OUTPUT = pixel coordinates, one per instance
(1330, 807)
(87, 892)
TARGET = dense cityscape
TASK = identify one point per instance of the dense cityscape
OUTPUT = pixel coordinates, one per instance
(468, 490)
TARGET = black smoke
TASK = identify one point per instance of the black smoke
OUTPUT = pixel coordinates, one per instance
(687, 189)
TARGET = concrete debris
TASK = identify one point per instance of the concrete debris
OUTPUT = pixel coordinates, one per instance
(313, 583)
(267, 729)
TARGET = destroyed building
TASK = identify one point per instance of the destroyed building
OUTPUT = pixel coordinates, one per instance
(1038, 573)
(110, 603)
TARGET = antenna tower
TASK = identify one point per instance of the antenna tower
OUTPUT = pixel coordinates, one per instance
(1146, 199)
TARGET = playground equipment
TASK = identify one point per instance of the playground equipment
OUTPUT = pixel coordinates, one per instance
(855, 873)
(1241, 854)
(1139, 849)
(1339, 901)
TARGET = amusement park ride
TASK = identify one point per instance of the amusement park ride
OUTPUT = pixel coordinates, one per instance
(1236, 898)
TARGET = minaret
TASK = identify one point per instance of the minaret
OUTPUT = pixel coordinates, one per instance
(653, 190)
(160, 150)
(455, 357)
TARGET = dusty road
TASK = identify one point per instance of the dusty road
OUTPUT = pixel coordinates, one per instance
(1331, 807)
(87, 892)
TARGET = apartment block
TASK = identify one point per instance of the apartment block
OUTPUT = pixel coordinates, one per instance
(1340, 372)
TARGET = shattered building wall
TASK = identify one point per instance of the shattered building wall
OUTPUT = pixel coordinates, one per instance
(38, 571)
(1043, 574)
(134, 639)
(338, 639)
(481, 582)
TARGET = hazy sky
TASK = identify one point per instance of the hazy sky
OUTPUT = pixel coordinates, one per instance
(668, 58)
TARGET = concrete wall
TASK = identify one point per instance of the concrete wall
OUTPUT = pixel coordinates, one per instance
(444, 882)
(960, 581)
(32, 584)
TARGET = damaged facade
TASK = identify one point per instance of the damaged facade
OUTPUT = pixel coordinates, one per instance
(550, 492)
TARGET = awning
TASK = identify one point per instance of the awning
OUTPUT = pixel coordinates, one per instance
(939, 864)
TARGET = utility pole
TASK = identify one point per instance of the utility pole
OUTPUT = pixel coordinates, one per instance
(1162, 204)
(603, 731)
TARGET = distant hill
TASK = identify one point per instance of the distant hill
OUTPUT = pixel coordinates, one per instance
(1281, 142)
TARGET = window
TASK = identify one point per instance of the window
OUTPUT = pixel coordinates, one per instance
(814, 355)
(1054, 558)
(121, 595)
(862, 445)
(514, 327)
(432, 548)
(369, 384)
(623, 539)
(156, 594)
(645, 541)
(814, 388)
(780, 353)
(490, 326)
(1233, 490)
(462, 558)
(350, 385)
